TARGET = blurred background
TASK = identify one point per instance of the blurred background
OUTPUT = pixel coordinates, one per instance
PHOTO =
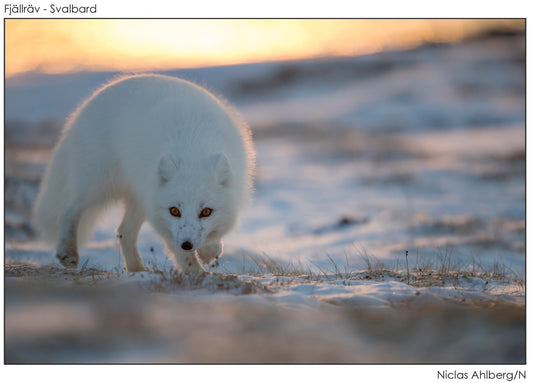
(59, 46)
(373, 137)
(410, 131)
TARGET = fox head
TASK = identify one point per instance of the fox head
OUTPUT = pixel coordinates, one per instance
(194, 204)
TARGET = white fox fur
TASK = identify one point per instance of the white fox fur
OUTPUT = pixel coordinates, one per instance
(155, 143)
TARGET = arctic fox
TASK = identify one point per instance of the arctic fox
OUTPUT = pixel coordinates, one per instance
(173, 153)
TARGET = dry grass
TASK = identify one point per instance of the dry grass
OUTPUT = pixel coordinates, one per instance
(86, 275)
(445, 267)
(170, 279)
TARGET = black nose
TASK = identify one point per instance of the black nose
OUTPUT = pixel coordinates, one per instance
(186, 245)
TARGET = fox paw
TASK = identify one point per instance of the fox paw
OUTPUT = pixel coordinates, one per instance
(69, 260)
(136, 268)
(209, 253)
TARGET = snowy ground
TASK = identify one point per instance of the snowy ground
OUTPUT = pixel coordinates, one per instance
(359, 160)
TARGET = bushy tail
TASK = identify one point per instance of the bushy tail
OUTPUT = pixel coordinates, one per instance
(54, 196)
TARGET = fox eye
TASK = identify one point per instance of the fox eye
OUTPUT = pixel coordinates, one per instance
(175, 211)
(206, 212)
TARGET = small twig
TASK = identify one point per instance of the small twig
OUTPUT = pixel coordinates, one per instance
(336, 269)
(407, 264)
(119, 237)
(84, 265)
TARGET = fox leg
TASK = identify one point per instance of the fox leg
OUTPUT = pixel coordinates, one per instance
(128, 232)
(187, 262)
(67, 248)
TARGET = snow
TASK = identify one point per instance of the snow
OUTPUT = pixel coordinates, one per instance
(359, 159)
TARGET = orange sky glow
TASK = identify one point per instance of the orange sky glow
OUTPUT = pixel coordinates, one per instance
(56, 46)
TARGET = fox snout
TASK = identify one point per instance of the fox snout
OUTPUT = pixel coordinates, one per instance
(187, 246)
(188, 237)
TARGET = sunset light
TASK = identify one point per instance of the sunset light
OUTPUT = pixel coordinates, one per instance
(54, 46)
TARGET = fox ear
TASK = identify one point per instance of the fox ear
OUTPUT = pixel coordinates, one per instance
(222, 169)
(168, 168)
